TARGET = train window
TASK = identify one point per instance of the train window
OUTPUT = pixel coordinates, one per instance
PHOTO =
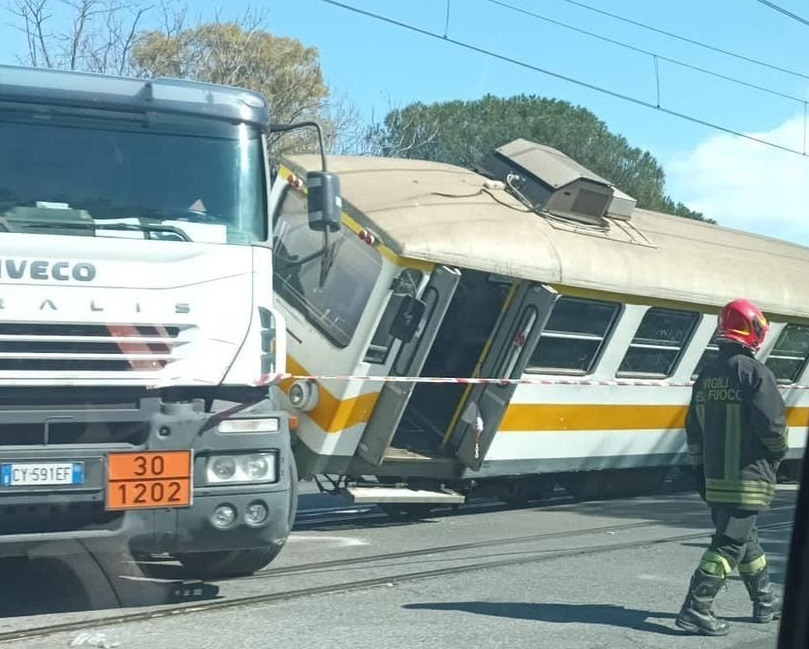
(659, 342)
(331, 290)
(574, 336)
(406, 283)
(707, 356)
(789, 354)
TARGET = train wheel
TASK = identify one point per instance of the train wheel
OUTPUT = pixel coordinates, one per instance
(582, 486)
(239, 563)
(406, 511)
(613, 483)
(519, 492)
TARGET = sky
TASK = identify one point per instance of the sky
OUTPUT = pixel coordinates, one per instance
(739, 182)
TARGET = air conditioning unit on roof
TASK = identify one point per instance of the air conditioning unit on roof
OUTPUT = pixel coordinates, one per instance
(555, 183)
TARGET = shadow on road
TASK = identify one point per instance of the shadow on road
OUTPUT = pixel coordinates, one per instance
(71, 578)
(606, 614)
(680, 509)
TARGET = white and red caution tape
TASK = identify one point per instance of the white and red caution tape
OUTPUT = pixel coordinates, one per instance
(268, 379)
(479, 381)
(496, 381)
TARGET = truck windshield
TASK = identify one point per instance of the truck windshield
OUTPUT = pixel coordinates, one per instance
(194, 180)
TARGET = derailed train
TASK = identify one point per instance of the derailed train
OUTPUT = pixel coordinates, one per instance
(529, 268)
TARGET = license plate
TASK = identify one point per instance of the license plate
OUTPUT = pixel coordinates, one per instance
(41, 474)
(148, 480)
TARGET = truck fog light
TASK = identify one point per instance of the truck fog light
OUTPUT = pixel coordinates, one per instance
(256, 513)
(223, 516)
(303, 395)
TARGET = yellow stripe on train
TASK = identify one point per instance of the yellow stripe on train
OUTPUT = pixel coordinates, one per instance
(333, 415)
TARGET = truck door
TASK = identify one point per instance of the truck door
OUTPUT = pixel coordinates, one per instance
(480, 412)
(409, 361)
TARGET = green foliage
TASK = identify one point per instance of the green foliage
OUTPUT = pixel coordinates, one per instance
(285, 72)
(464, 132)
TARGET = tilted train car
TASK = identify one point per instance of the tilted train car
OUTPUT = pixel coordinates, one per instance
(530, 268)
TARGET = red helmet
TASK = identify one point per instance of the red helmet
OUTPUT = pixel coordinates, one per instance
(743, 322)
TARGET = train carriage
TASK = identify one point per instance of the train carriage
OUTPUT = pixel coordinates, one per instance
(529, 268)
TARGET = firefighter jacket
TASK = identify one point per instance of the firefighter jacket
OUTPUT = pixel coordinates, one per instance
(736, 429)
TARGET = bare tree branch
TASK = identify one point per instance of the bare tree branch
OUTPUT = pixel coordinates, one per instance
(34, 14)
(99, 39)
(398, 135)
(118, 37)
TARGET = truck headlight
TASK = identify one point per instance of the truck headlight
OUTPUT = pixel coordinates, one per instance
(303, 395)
(241, 469)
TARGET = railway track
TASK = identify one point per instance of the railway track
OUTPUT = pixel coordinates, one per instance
(470, 564)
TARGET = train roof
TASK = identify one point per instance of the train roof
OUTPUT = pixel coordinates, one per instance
(446, 214)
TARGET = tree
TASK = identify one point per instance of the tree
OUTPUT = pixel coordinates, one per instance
(465, 132)
(109, 36)
(99, 36)
(285, 72)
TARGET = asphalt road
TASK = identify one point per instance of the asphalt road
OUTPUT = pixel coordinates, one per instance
(591, 575)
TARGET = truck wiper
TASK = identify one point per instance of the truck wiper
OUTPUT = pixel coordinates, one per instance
(86, 225)
(141, 227)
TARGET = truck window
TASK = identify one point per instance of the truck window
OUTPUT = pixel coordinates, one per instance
(332, 295)
(204, 177)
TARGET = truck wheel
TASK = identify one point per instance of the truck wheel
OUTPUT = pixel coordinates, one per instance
(239, 563)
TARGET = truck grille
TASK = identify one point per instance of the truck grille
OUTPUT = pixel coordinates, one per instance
(49, 347)
(43, 518)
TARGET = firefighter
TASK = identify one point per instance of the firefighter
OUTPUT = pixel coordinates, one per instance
(736, 435)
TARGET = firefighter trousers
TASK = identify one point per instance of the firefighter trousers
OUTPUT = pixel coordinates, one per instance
(734, 543)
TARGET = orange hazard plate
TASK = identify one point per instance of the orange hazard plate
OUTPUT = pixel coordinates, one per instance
(148, 480)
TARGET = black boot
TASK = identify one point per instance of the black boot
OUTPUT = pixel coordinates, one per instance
(696, 615)
(766, 604)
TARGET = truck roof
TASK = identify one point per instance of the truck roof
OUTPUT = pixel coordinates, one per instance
(80, 89)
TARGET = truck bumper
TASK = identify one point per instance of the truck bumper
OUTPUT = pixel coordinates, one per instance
(31, 516)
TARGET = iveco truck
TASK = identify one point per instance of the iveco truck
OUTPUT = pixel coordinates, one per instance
(139, 344)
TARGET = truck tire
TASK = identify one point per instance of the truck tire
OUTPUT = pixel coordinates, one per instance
(240, 563)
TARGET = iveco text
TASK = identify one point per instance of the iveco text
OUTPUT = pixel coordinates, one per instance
(43, 269)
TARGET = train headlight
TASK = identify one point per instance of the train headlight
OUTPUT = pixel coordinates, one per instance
(303, 395)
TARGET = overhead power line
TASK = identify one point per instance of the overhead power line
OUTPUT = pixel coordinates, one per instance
(688, 40)
(640, 50)
(780, 9)
(556, 75)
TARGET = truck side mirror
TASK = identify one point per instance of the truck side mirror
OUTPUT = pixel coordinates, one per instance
(407, 319)
(325, 204)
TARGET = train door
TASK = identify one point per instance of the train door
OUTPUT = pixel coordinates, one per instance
(480, 411)
(393, 397)
(480, 302)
